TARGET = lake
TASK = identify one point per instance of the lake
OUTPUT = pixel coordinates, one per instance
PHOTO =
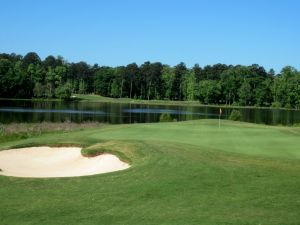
(119, 113)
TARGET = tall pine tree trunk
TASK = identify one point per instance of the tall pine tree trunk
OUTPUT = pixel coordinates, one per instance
(121, 94)
(149, 91)
(130, 88)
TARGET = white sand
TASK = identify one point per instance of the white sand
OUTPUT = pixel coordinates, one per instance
(55, 162)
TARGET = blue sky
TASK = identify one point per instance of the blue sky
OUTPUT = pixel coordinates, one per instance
(118, 32)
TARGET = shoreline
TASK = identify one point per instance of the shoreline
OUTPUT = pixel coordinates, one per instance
(100, 99)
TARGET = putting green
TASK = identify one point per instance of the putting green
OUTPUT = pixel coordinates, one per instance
(182, 173)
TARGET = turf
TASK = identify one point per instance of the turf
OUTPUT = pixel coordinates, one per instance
(182, 173)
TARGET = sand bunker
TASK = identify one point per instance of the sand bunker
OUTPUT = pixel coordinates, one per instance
(55, 162)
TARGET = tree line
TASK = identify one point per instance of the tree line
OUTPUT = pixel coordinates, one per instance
(30, 77)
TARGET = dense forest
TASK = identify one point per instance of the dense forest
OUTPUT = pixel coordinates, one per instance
(30, 77)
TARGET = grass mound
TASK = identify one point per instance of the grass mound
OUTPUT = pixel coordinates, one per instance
(106, 147)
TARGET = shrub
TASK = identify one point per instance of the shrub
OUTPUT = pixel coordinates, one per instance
(288, 106)
(276, 105)
(235, 104)
(235, 115)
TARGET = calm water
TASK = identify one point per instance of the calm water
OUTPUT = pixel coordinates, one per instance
(115, 113)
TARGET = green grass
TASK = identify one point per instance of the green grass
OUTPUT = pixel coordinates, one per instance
(182, 173)
(99, 98)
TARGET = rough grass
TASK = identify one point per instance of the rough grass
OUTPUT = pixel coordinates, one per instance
(182, 173)
(107, 147)
(14, 131)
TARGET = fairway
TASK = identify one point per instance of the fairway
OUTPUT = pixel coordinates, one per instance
(180, 173)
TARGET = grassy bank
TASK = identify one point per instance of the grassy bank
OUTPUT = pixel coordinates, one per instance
(99, 98)
(182, 173)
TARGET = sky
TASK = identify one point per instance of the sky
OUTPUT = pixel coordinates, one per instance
(119, 32)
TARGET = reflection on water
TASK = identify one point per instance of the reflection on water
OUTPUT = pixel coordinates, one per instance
(117, 113)
(69, 111)
(167, 111)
